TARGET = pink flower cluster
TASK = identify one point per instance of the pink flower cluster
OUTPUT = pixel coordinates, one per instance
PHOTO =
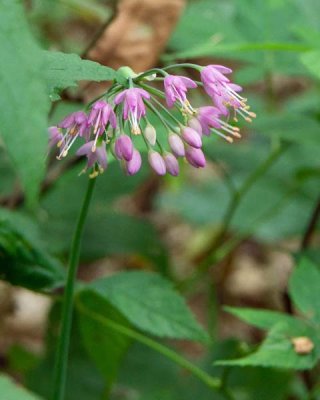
(114, 121)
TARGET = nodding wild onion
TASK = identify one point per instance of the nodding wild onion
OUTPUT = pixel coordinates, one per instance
(121, 114)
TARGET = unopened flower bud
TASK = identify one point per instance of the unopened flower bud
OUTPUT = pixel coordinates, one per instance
(150, 134)
(191, 137)
(133, 166)
(172, 164)
(195, 124)
(176, 145)
(157, 163)
(123, 147)
(195, 157)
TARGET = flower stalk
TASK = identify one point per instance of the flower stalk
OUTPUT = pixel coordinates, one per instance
(62, 354)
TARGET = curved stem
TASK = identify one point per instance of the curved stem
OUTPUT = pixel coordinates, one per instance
(60, 371)
(208, 255)
(208, 380)
(150, 72)
(184, 65)
(152, 90)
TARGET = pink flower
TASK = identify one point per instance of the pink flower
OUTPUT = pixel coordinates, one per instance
(105, 129)
(223, 92)
(134, 107)
(175, 88)
(55, 136)
(210, 122)
(99, 156)
(212, 74)
(101, 113)
(76, 124)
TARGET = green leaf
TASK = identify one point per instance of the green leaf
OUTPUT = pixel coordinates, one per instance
(311, 60)
(65, 70)
(23, 264)
(150, 304)
(278, 351)
(304, 288)
(105, 346)
(11, 391)
(263, 319)
(23, 102)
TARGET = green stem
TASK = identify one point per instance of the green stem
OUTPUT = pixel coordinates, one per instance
(150, 72)
(166, 111)
(60, 372)
(228, 246)
(184, 65)
(156, 92)
(208, 380)
(247, 184)
(239, 194)
(152, 90)
(164, 121)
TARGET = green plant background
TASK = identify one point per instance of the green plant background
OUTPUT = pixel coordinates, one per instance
(134, 334)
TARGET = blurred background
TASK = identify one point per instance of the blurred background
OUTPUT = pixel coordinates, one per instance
(224, 235)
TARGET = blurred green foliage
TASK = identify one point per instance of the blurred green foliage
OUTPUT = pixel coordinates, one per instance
(265, 188)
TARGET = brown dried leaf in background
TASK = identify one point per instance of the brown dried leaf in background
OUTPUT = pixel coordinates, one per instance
(136, 37)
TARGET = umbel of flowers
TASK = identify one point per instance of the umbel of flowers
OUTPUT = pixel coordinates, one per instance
(114, 121)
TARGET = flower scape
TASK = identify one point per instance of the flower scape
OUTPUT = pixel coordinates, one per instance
(116, 119)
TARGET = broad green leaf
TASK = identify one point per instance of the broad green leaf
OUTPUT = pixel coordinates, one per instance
(22, 263)
(161, 378)
(304, 287)
(105, 346)
(23, 102)
(12, 391)
(151, 304)
(65, 70)
(164, 380)
(278, 350)
(311, 60)
(263, 319)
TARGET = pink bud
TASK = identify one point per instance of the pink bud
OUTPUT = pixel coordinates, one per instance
(195, 157)
(133, 166)
(157, 162)
(192, 137)
(124, 147)
(194, 123)
(172, 164)
(176, 145)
